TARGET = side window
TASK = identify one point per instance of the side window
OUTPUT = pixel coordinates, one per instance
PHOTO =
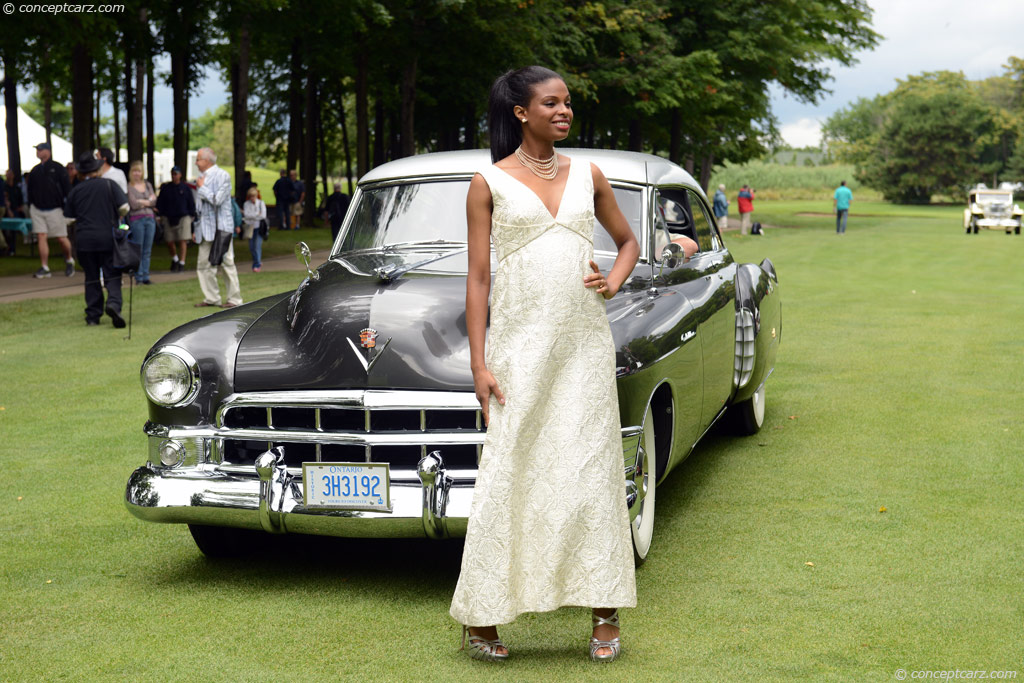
(675, 207)
(707, 233)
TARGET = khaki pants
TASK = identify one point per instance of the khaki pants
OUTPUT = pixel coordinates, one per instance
(208, 275)
(745, 223)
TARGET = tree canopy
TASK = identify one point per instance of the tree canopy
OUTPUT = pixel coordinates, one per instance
(684, 78)
(935, 133)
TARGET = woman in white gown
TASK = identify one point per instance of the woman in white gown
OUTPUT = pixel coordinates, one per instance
(549, 525)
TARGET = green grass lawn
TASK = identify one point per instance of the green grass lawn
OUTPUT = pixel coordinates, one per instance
(897, 386)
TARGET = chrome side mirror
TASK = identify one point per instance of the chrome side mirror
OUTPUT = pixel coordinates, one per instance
(672, 255)
(304, 255)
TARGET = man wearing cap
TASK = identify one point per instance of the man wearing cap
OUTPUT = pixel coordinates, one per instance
(96, 205)
(48, 187)
(109, 171)
(213, 187)
(283, 196)
(177, 208)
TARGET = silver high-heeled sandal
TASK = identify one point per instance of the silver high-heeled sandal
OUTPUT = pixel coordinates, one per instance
(483, 649)
(614, 644)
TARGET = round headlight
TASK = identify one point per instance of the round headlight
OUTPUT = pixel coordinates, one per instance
(171, 377)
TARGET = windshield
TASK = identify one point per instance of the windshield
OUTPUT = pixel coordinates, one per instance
(995, 198)
(424, 212)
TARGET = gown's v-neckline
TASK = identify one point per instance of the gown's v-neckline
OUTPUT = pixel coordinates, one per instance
(561, 199)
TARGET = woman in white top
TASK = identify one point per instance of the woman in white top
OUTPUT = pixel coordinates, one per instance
(254, 211)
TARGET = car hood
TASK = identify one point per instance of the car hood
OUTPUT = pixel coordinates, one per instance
(312, 340)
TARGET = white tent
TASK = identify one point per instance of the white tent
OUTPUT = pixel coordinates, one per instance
(31, 134)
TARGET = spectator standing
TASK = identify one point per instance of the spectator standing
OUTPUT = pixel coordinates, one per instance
(721, 208)
(177, 208)
(283, 196)
(253, 212)
(337, 207)
(141, 218)
(298, 198)
(213, 188)
(109, 171)
(48, 187)
(841, 201)
(745, 201)
(96, 205)
(72, 173)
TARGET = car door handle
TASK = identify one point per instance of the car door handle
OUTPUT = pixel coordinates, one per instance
(687, 336)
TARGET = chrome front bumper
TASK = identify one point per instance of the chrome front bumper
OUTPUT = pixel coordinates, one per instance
(430, 501)
(997, 223)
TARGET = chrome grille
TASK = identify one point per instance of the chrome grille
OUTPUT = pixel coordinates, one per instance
(743, 365)
(397, 427)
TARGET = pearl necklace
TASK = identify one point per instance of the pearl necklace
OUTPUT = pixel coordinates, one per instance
(542, 168)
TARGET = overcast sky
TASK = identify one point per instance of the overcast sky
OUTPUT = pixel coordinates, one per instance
(973, 36)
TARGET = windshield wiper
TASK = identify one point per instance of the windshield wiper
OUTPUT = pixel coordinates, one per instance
(392, 272)
(392, 247)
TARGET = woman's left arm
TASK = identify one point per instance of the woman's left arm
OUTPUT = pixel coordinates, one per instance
(610, 215)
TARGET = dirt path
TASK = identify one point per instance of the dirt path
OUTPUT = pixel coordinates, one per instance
(22, 287)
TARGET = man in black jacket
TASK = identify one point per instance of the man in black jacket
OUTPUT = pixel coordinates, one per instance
(337, 207)
(48, 187)
(177, 208)
(96, 205)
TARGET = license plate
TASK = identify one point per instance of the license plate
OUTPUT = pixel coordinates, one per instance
(347, 485)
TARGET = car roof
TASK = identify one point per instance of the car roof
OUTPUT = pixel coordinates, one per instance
(632, 167)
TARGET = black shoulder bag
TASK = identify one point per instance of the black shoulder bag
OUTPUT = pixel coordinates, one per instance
(127, 254)
(221, 239)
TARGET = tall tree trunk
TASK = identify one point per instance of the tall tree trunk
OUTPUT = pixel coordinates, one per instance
(675, 135)
(179, 101)
(11, 107)
(129, 105)
(239, 102)
(135, 139)
(344, 139)
(706, 165)
(295, 106)
(636, 135)
(81, 96)
(407, 144)
(117, 121)
(322, 144)
(362, 120)
(378, 132)
(48, 111)
(309, 149)
(688, 162)
(150, 125)
(96, 122)
(393, 150)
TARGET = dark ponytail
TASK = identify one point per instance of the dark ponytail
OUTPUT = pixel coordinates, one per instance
(511, 88)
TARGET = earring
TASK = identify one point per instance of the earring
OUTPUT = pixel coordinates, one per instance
(524, 120)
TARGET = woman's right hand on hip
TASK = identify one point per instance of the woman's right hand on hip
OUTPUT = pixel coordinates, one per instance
(484, 385)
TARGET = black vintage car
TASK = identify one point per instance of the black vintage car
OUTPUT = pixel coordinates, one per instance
(346, 407)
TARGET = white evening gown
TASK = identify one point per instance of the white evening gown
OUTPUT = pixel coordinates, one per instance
(549, 525)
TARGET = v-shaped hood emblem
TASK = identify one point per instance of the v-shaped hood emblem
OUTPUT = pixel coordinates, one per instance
(373, 353)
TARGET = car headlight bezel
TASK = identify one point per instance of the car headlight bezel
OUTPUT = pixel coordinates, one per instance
(188, 368)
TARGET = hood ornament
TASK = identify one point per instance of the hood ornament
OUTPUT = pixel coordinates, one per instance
(368, 340)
